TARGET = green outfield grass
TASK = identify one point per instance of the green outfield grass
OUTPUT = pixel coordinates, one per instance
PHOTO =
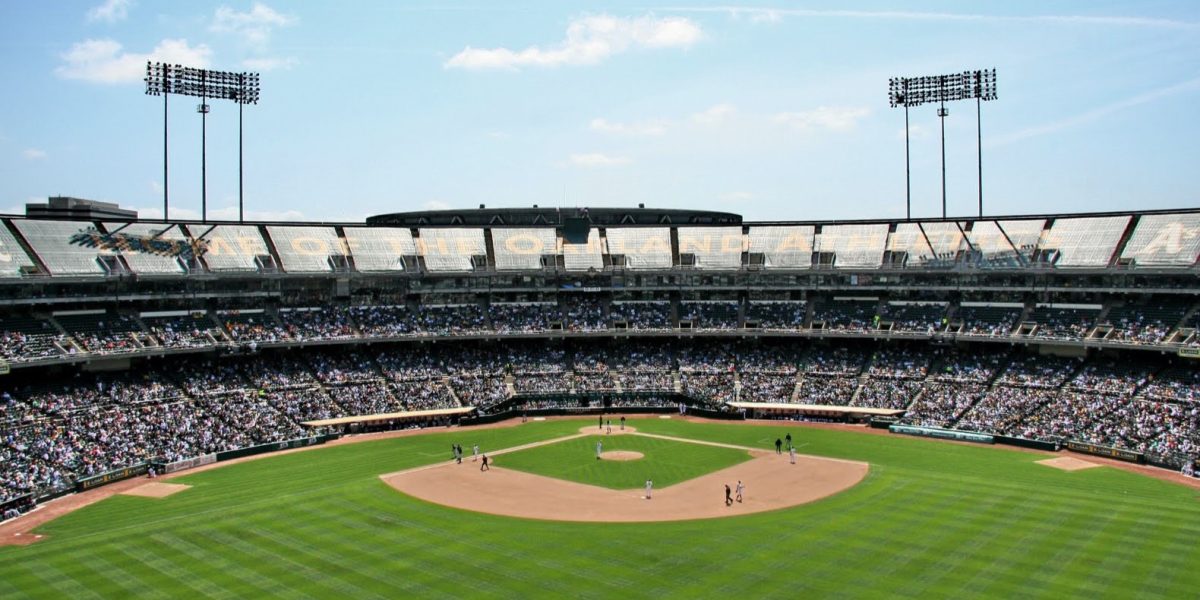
(931, 519)
(665, 461)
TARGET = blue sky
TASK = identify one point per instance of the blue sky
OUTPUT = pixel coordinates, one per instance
(774, 111)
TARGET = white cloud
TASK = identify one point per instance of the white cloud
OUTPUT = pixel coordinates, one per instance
(33, 154)
(833, 118)
(264, 64)
(638, 128)
(102, 61)
(589, 41)
(111, 11)
(253, 26)
(596, 160)
(715, 114)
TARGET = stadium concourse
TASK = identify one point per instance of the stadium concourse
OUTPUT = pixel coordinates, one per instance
(136, 346)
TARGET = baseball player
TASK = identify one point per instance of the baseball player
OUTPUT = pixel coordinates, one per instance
(741, 489)
(475, 453)
(728, 497)
(792, 454)
(599, 449)
(484, 466)
(649, 487)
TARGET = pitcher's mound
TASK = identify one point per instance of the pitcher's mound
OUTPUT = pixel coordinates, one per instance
(1067, 463)
(621, 455)
(772, 482)
(156, 490)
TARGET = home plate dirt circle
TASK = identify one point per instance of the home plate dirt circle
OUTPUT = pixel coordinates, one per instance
(621, 455)
(772, 482)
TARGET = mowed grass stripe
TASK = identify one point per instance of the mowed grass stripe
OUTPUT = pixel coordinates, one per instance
(161, 567)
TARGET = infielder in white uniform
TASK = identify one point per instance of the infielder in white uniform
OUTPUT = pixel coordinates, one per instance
(599, 449)
(741, 489)
(649, 487)
(475, 453)
(792, 454)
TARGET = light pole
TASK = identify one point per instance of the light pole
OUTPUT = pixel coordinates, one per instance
(243, 88)
(914, 91)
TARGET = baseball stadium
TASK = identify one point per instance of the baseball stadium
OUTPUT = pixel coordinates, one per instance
(620, 399)
(997, 406)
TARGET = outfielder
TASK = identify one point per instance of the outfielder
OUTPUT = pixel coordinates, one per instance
(599, 449)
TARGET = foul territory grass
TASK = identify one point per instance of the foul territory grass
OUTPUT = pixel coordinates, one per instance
(666, 462)
(930, 520)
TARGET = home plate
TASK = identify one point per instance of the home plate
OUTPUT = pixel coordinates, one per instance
(664, 416)
(155, 490)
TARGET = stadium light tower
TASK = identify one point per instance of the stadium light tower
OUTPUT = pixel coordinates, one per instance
(243, 88)
(914, 91)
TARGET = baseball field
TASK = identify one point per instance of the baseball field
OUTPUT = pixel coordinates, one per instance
(930, 519)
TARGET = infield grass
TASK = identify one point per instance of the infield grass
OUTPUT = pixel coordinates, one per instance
(665, 461)
(931, 520)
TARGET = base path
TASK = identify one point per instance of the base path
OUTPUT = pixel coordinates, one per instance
(772, 483)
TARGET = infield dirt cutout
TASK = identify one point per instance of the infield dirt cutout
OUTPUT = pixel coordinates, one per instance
(621, 455)
(155, 490)
(1066, 463)
(771, 481)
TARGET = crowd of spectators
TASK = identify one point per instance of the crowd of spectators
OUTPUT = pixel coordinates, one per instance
(1110, 377)
(645, 381)
(712, 388)
(1175, 384)
(942, 403)
(709, 315)
(916, 317)
(829, 390)
(890, 393)
(848, 316)
(967, 367)
(383, 321)
(104, 334)
(254, 327)
(777, 315)
(586, 314)
(767, 387)
(549, 384)
(330, 323)
(990, 321)
(899, 363)
(182, 331)
(52, 433)
(646, 316)
(841, 361)
(524, 317)
(1038, 371)
(1002, 409)
(1062, 323)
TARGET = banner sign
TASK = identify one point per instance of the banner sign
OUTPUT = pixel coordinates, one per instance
(944, 434)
